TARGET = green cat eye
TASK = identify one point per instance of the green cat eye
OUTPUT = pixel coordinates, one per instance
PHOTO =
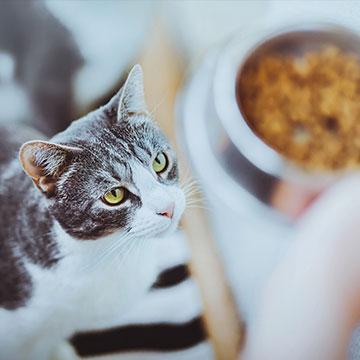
(115, 196)
(160, 163)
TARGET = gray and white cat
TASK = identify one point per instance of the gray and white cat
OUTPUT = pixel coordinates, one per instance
(80, 245)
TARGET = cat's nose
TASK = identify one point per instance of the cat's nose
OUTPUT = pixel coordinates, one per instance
(168, 211)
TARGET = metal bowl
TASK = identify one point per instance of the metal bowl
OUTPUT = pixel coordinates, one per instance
(247, 158)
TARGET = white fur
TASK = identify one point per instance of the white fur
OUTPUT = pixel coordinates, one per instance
(91, 286)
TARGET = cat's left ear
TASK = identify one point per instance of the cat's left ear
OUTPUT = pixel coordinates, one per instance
(44, 162)
(132, 97)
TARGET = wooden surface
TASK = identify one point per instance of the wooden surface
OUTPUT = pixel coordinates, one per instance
(163, 69)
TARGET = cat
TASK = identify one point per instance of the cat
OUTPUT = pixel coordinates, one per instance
(80, 213)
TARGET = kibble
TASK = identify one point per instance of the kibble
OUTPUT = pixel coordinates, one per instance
(306, 107)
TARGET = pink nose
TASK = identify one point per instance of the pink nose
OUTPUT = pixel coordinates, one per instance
(168, 211)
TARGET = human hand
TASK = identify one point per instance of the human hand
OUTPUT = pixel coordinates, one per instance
(312, 301)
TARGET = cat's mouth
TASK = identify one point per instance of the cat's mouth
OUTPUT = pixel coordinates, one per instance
(171, 225)
(167, 226)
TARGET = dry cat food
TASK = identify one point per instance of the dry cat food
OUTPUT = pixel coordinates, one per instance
(307, 107)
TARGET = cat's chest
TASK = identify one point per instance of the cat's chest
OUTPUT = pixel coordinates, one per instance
(92, 288)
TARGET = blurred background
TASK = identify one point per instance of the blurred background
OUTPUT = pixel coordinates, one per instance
(60, 59)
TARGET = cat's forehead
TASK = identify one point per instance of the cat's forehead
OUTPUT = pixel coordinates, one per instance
(104, 136)
(126, 141)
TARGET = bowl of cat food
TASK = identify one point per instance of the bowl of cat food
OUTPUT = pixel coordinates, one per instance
(287, 105)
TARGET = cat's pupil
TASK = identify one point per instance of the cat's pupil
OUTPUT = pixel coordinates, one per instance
(113, 192)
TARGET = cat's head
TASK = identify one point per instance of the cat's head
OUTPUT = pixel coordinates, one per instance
(110, 171)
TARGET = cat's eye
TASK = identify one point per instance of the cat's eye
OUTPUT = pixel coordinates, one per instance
(114, 196)
(160, 163)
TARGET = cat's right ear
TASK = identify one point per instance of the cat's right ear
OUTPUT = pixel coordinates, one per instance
(130, 100)
(44, 162)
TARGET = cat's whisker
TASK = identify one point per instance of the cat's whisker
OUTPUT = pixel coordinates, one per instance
(115, 255)
(194, 194)
(191, 186)
(194, 201)
(198, 207)
(119, 248)
(106, 253)
(125, 254)
(188, 183)
(189, 178)
(195, 198)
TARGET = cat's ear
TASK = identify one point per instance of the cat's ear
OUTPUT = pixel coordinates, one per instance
(132, 97)
(44, 162)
